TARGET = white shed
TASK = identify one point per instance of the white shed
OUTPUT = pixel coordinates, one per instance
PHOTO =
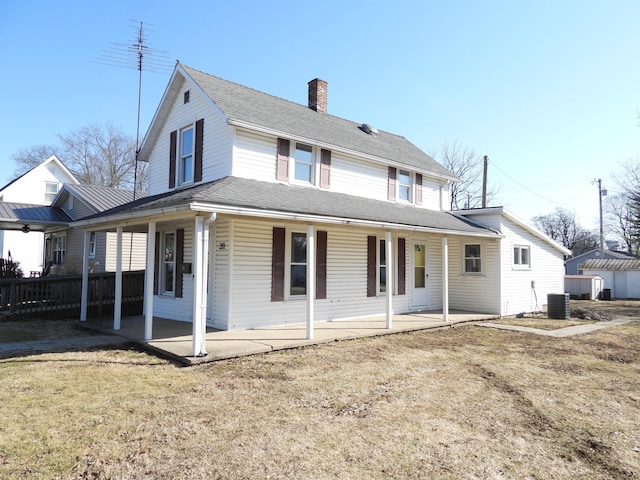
(584, 287)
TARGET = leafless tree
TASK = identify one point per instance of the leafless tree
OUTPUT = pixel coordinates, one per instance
(562, 227)
(31, 157)
(467, 165)
(96, 155)
(618, 219)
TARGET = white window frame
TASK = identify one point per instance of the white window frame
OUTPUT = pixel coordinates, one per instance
(164, 264)
(290, 263)
(186, 156)
(408, 186)
(92, 244)
(49, 196)
(466, 257)
(295, 162)
(58, 248)
(517, 259)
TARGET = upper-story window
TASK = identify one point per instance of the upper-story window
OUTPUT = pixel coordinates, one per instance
(404, 185)
(50, 191)
(303, 163)
(186, 155)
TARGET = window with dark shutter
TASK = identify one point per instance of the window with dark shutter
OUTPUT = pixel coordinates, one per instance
(156, 265)
(173, 145)
(282, 162)
(277, 264)
(321, 264)
(197, 168)
(325, 168)
(418, 189)
(179, 261)
(402, 267)
(371, 266)
(393, 180)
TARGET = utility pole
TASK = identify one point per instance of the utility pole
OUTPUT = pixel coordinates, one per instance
(484, 182)
(601, 193)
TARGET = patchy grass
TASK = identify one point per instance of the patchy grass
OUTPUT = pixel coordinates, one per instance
(465, 402)
(542, 322)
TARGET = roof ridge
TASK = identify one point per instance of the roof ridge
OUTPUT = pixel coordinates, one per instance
(301, 105)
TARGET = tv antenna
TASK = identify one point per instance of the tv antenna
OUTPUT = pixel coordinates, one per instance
(140, 56)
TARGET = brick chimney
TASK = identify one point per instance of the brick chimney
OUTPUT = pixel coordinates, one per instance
(318, 95)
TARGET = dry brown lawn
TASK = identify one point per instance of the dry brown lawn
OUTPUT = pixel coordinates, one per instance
(460, 403)
(39, 329)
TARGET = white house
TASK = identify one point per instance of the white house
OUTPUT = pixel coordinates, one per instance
(37, 187)
(266, 212)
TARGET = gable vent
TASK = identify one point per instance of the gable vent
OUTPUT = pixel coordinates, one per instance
(369, 129)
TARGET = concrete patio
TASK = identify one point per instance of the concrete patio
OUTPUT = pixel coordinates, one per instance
(173, 339)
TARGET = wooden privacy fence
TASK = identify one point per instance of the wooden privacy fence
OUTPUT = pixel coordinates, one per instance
(61, 296)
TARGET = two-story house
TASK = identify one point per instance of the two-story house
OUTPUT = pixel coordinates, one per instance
(265, 212)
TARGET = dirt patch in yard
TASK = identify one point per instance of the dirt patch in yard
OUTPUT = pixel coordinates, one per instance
(20, 330)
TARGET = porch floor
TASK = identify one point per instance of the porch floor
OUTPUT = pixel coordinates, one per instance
(173, 339)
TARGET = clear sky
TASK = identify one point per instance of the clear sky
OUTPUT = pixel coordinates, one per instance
(548, 89)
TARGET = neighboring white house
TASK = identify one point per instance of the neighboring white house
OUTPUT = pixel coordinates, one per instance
(266, 212)
(38, 187)
(621, 276)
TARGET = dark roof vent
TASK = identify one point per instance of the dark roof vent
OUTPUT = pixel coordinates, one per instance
(369, 129)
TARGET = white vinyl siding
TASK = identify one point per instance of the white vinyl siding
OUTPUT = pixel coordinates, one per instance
(357, 177)
(173, 307)
(217, 144)
(134, 251)
(254, 156)
(220, 242)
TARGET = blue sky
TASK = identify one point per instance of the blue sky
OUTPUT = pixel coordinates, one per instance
(549, 90)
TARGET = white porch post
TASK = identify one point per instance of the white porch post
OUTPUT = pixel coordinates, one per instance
(311, 280)
(389, 281)
(200, 261)
(445, 279)
(85, 278)
(148, 281)
(117, 306)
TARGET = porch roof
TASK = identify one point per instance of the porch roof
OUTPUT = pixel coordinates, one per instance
(241, 196)
(14, 216)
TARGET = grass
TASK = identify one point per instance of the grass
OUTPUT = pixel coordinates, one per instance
(39, 329)
(466, 402)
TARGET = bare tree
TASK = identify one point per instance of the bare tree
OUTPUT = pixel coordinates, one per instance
(562, 227)
(619, 215)
(467, 165)
(96, 155)
(31, 157)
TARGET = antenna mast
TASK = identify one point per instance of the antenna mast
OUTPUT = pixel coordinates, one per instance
(141, 56)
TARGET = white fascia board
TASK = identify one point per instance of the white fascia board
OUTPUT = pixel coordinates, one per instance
(335, 148)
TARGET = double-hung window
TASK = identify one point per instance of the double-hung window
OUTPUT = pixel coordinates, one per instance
(382, 266)
(168, 263)
(521, 257)
(303, 163)
(186, 155)
(298, 264)
(404, 186)
(50, 191)
(472, 258)
(92, 244)
(59, 249)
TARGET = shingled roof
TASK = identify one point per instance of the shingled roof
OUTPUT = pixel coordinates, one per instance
(252, 109)
(248, 197)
